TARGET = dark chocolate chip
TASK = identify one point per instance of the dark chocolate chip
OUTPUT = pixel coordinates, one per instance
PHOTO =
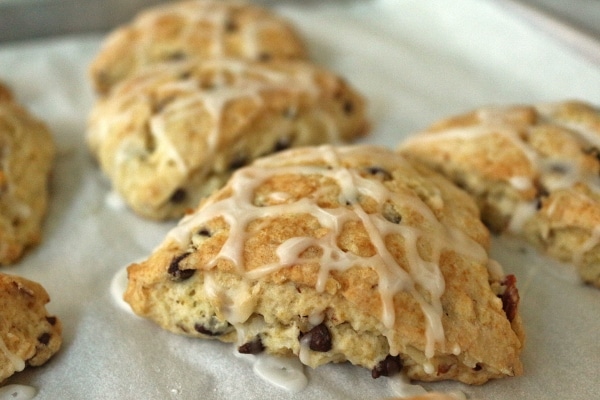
(477, 367)
(179, 274)
(254, 347)
(177, 56)
(391, 214)
(283, 143)
(379, 172)
(238, 162)
(348, 107)
(204, 232)
(205, 331)
(231, 26)
(44, 338)
(510, 297)
(389, 366)
(319, 338)
(51, 320)
(178, 196)
(264, 56)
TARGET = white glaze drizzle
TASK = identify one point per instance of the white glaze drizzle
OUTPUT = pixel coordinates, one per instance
(245, 81)
(238, 211)
(17, 392)
(283, 372)
(553, 174)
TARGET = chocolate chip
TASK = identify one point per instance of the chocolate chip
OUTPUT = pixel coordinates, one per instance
(253, 347)
(44, 338)
(177, 56)
(264, 56)
(179, 274)
(231, 26)
(389, 366)
(178, 196)
(213, 327)
(318, 338)
(348, 107)
(204, 232)
(379, 172)
(477, 367)
(510, 297)
(205, 331)
(51, 320)
(283, 143)
(238, 161)
(391, 214)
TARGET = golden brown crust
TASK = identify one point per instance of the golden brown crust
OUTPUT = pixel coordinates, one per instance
(534, 171)
(350, 245)
(29, 336)
(172, 135)
(194, 29)
(26, 157)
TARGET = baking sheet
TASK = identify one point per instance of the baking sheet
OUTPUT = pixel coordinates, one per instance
(416, 62)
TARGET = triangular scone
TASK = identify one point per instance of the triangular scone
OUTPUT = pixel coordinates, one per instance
(26, 157)
(194, 29)
(172, 135)
(533, 170)
(29, 336)
(339, 254)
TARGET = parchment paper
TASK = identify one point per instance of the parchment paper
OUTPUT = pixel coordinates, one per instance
(416, 61)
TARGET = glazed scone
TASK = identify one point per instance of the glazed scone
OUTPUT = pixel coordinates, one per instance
(194, 29)
(337, 254)
(29, 335)
(170, 136)
(533, 170)
(26, 158)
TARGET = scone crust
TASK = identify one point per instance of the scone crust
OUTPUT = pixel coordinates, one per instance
(171, 136)
(314, 263)
(534, 171)
(29, 335)
(25, 165)
(194, 29)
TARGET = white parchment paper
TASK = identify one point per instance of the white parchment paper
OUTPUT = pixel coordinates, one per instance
(416, 61)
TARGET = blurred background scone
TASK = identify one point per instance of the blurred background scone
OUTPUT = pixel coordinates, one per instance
(29, 335)
(194, 29)
(533, 170)
(173, 134)
(26, 157)
(336, 254)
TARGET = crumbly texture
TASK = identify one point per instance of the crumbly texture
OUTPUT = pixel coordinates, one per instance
(170, 136)
(337, 254)
(533, 170)
(194, 29)
(29, 336)
(26, 157)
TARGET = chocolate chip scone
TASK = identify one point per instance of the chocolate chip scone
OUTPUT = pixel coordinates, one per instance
(534, 171)
(26, 158)
(174, 134)
(194, 29)
(29, 336)
(339, 254)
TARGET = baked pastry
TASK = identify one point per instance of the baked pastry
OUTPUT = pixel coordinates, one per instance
(194, 29)
(26, 158)
(170, 136)
(29, 336)
(533, 170)
(339, 254)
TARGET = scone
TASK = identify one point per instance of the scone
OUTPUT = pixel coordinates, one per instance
(29, 336)
(26, 158)
(534, 171)
(194, 29)
(336, 254)
(170, 136)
